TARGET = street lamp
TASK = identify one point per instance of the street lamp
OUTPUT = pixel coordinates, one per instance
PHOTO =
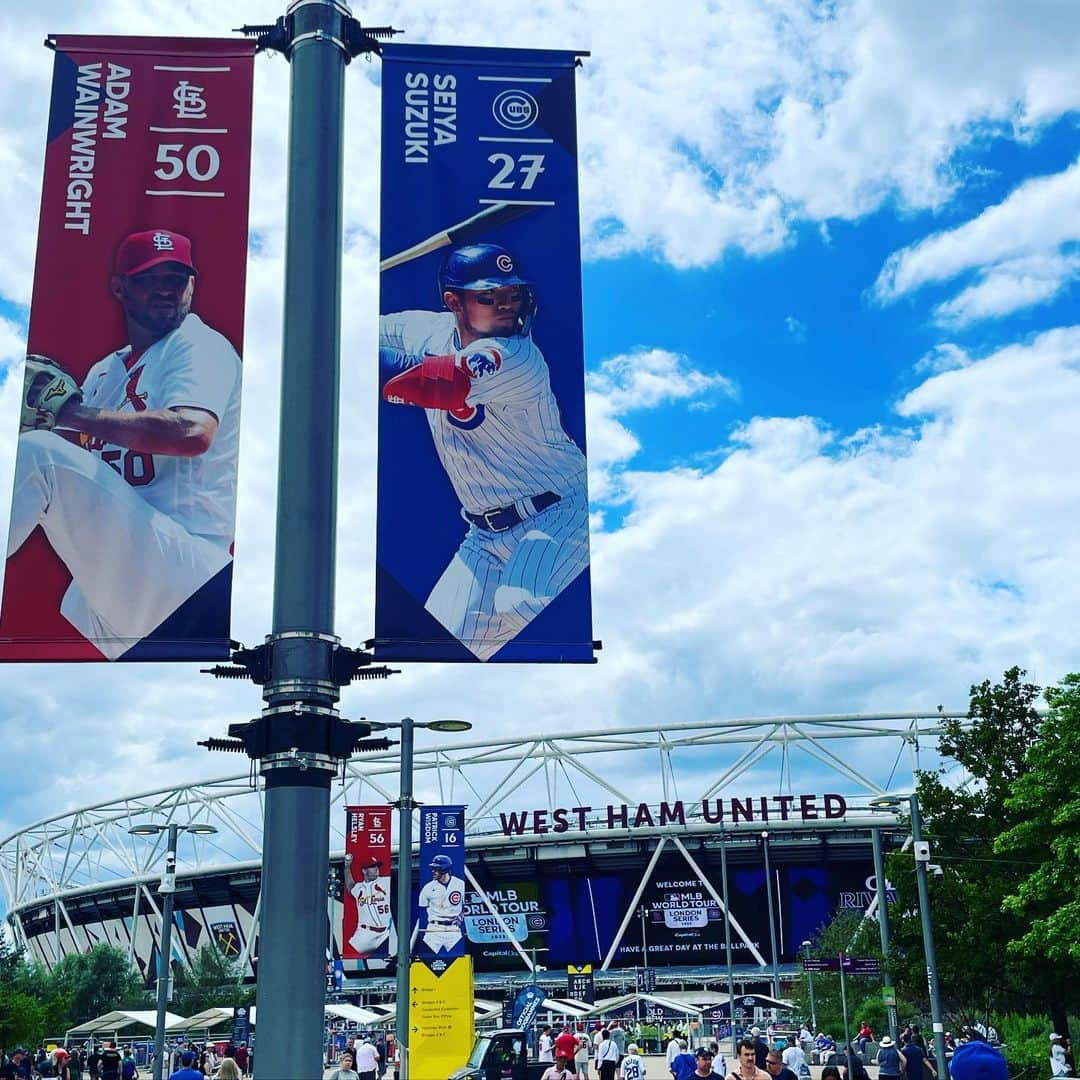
(806, 946)
(166, 889)
(403, 906)
(922, 857)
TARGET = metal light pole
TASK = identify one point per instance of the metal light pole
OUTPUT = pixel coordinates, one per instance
(806, 945)
(922, 857)
(883, 924)
(167, 889)
(727, 943)
(772, 921)
(403, 912)
(299, 740)
(403, 899)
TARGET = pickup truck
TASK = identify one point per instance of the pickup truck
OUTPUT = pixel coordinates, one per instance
(500, 1055)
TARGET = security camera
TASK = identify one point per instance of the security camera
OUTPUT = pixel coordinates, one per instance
(935, 869)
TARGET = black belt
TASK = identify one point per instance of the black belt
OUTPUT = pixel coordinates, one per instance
(506, 517)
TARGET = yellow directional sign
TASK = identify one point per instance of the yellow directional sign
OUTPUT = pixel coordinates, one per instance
(441, 1019)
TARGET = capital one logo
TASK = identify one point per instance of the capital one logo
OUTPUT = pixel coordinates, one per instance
(515, 109)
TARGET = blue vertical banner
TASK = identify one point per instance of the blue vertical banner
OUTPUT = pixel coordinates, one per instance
(482, 525)
(440, 900)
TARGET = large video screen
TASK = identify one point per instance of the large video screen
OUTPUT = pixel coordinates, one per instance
(574, 919)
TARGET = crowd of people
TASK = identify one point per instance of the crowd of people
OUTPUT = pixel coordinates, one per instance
(109, 1061)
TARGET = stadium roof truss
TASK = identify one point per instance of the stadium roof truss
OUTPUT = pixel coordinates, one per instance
(87, 851)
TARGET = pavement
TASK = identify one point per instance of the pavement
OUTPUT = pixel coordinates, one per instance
(656, 1069)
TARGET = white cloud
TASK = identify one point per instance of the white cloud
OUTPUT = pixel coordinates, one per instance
(737, 120)
(795, 328)
(642, 379)
(1010, 286)
(1016, 242)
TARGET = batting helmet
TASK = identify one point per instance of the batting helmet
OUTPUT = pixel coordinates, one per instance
(442, 862)
(478, 267)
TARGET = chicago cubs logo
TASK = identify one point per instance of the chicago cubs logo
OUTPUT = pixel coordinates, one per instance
(479, 364)
(454, 896)
(515, 109)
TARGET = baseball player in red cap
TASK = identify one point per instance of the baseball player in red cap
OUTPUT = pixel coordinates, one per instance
(132, 476)
(372, 896)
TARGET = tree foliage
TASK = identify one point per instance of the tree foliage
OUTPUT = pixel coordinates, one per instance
(1045, 804)
(1019, 787)
(213, 979)
(849, 933)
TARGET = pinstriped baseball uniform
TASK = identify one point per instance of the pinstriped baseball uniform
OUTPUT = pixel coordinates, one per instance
(503, 449)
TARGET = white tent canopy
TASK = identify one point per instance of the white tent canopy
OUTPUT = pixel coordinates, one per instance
(567, 1006)
(121, 1019)
(209, 1019)
(613, 1004)
(354, 1013)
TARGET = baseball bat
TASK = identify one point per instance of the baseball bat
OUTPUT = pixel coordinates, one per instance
(461, 233)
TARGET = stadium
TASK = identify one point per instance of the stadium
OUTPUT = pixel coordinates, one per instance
(602, 848)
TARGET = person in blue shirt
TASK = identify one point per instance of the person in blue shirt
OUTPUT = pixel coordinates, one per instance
(187, 1070)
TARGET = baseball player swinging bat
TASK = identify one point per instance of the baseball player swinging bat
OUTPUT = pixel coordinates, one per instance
(463, 232)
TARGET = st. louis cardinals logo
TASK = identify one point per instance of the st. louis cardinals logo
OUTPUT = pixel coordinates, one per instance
(131, 395)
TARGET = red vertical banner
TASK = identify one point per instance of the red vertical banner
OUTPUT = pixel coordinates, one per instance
(123, 513)
(367, 932)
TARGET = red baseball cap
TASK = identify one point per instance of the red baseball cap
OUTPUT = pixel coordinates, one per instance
(142, 250)
(372, 862)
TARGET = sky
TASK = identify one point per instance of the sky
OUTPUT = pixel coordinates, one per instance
(833, 372)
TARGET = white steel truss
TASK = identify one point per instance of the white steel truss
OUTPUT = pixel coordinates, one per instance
(89, 850)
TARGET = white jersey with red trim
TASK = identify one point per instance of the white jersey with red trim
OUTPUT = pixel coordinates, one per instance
(192, 367)
(508, 442)
(373, 903)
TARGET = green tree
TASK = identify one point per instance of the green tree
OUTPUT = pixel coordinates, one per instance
(847, 932)
(21, 1017)
(93, 983)
(977, 972)
(1045, 803)
(213, 979)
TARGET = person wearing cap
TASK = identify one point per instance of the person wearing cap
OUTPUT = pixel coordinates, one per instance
(372, 896)
(632, 1067)
(978, 1060)
(443, 900)
(1059, 1064)
(187, 1070)
(18, 1068)
(703, 1057)
(746, 1068)
(135, 489)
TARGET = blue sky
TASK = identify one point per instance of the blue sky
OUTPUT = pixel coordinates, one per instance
(833, 370)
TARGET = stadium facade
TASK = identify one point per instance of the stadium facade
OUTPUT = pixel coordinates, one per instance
(597, 847)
